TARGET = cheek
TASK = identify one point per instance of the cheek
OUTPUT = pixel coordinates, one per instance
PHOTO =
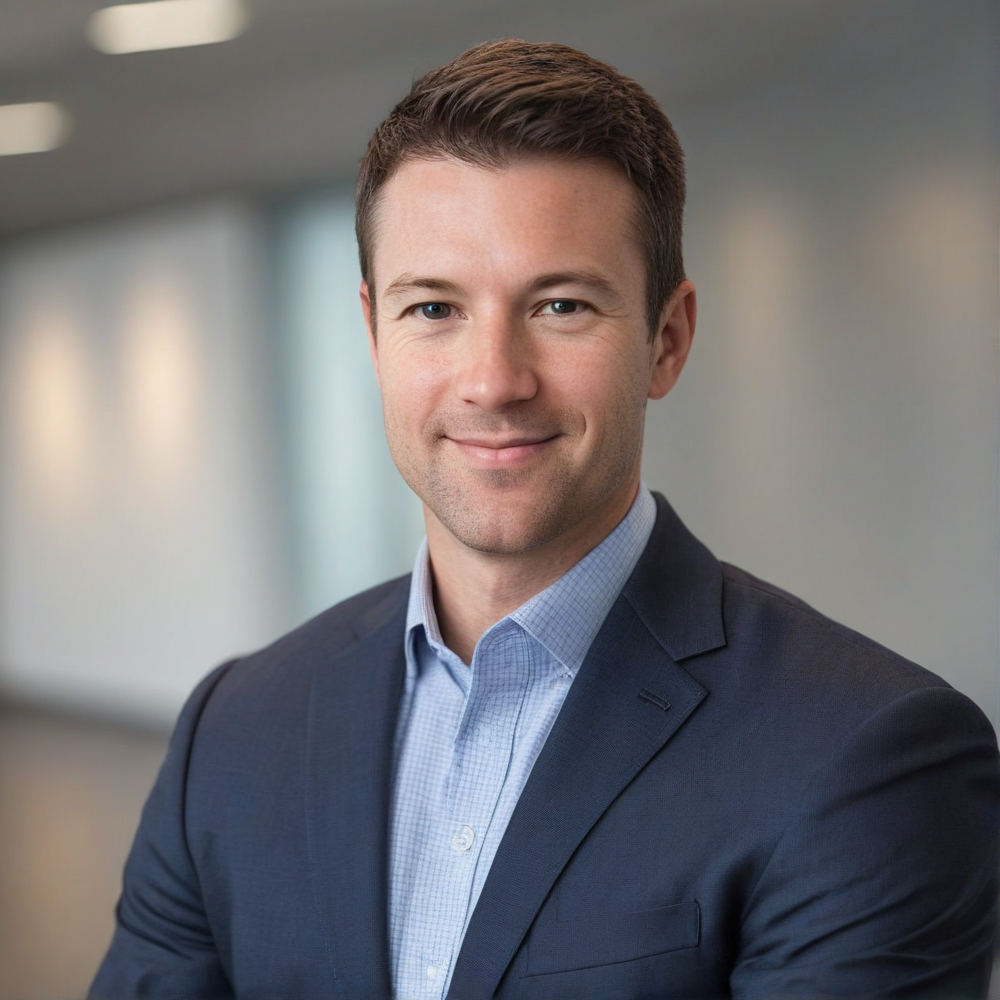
(604, 382)
(410, 392)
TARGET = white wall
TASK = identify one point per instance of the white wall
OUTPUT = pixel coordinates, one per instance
(836, 431)
(354, 521)
(139, 528)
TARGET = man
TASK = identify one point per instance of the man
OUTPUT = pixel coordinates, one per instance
(573, 755)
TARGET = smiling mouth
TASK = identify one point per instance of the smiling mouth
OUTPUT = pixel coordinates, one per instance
(497, 445)
(506, 452)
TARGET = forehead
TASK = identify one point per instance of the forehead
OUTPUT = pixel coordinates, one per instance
(533, 213)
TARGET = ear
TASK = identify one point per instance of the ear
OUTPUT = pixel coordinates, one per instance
(673, 339)
(367, 307)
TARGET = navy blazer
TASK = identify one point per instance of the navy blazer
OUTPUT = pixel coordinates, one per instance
(738, 798)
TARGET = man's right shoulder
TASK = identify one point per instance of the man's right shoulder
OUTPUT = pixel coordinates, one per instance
(284, 669)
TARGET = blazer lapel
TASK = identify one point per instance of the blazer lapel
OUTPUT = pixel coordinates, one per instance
(628, 699)
(355, 699)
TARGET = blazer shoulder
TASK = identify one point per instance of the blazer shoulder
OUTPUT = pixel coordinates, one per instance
(815, 660)
(285, 667)
(745, 587)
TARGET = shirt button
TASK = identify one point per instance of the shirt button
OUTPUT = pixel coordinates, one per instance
(432, 972)
(463, 839)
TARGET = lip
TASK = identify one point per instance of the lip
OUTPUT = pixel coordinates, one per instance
(506, 453)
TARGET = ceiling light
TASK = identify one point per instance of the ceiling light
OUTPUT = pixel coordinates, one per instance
(165, 24)
(32, 128)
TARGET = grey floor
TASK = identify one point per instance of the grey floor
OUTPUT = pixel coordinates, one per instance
(70, 796)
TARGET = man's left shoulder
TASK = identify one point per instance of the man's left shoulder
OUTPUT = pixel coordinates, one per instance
(867, 791)
(816, 667)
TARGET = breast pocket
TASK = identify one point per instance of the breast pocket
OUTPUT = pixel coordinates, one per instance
(589, 940)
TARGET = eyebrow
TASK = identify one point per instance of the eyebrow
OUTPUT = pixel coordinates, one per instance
(410, 282)
(592, 279)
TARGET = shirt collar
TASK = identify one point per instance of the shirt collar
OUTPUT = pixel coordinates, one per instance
(420, 610)
(566, 616)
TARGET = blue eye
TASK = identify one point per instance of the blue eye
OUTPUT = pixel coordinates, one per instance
(562, 307)
(435, 310)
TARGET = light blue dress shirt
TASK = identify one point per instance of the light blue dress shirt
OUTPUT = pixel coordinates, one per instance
(468, 737)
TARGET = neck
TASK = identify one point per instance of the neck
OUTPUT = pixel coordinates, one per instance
(473, 590)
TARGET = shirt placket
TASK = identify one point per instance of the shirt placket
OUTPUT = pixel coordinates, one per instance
(480, 763)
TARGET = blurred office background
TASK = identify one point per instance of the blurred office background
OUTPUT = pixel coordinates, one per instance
(191, 459)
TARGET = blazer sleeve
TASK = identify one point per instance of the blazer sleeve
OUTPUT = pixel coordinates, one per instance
(163, 945)
(885, 883)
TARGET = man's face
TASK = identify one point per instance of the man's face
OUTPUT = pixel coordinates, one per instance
(512, 347)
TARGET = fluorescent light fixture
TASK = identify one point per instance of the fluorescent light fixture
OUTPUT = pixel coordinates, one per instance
(165, 24)
(32, 128)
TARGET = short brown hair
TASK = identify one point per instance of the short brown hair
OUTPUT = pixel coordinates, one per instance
(500, 101)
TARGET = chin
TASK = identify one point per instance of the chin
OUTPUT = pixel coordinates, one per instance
(506, 540)
(506, 524)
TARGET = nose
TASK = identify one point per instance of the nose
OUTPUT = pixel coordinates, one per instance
(497, 365)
